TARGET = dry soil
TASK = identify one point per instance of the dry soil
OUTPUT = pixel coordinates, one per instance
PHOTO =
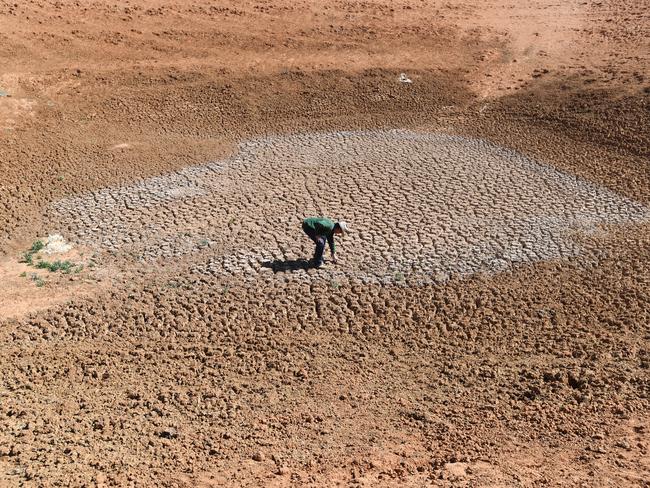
(487, 323)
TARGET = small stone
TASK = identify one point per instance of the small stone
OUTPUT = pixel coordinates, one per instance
(598, 449)
(169, 433)
(403, 78)
(258, 456)
(623, 444)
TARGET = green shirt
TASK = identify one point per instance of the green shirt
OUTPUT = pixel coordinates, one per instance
(322, 227)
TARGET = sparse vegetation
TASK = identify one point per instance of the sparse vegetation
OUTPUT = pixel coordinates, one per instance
(31, 259)
(64, 266)
(37, 279)
(28, 256)
(37, 246)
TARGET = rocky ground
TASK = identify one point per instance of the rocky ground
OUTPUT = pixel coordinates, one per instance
(487, 324)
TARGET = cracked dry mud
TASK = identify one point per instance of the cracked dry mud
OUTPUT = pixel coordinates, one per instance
(487, 324)
(422, 206)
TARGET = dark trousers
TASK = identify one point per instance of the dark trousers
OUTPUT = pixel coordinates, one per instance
(320, 244)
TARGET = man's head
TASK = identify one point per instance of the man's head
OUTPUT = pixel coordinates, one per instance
(340, 227)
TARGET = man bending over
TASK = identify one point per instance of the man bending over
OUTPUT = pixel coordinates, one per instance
(319, 230)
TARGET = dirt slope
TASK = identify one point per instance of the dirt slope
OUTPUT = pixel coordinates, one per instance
(193, 349)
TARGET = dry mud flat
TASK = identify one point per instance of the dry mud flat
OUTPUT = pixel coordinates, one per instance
(491, 310)
(426, 206)
(488, 325)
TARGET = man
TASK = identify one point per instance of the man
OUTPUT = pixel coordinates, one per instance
(319, 230)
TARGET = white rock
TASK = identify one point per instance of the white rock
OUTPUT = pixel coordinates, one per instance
(404, 79)
(55, 244)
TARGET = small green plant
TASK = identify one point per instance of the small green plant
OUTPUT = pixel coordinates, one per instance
(65, 266)
(204, 243)
(37, 280)
(28, 256)
(79, 269)
(335, 284)
(36, 246)
(23, 274)
(399, 276)
(225, 289)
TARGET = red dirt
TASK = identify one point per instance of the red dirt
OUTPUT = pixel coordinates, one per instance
(151, 376)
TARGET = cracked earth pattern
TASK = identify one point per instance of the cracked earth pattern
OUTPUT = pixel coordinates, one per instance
(422, 206)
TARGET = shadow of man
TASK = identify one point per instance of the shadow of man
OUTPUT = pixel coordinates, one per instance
(290, 265)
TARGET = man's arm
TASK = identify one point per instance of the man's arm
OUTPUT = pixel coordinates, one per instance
(330, 241)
